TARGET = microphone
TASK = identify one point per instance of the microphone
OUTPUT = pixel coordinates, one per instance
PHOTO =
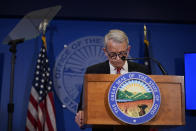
(147, 58)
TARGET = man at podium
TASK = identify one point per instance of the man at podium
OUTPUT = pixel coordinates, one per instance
(116, 46)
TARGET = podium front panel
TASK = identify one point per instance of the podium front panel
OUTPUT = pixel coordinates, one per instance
(97, 111)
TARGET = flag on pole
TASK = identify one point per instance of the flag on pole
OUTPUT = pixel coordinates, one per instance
(147, 63)
(41, 110)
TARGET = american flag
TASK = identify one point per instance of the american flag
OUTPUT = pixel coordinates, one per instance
(41, 111)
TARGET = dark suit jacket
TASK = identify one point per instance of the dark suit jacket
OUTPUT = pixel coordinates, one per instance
(104, 68)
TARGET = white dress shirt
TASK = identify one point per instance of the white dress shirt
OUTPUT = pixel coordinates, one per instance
(122, 71)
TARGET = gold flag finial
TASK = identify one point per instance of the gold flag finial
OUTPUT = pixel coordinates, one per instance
(144, 27)
(145, 36)
(145, 33)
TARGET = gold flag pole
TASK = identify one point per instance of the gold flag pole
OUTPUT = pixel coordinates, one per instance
(44, 41)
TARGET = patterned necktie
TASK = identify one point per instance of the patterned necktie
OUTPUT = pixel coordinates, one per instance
(118, 70)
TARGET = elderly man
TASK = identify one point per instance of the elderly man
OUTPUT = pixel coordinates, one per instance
(116, 46)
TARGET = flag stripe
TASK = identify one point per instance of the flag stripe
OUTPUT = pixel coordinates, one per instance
(31, 119)
(27, 129)
(33, 103)
(30, 125)
(50, 95)
(41, 118)
(50, 115)
(48, 122)
(35, 94)
(33, 113)
(46, 127)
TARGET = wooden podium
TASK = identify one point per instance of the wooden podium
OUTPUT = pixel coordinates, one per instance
(97, 111)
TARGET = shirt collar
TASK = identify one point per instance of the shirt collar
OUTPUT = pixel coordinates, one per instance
(123, 70)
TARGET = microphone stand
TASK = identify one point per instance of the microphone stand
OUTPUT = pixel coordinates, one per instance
(13, 44)
(148, 58)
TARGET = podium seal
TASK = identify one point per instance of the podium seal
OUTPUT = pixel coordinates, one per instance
(134, 98)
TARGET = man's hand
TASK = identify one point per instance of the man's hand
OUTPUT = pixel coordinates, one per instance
(79, 118)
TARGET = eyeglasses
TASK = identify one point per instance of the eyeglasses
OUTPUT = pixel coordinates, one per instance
(114, 55)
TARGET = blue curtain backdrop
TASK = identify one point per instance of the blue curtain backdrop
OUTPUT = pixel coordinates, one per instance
(168, 42)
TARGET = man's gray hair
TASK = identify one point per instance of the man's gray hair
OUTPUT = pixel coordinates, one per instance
(117, 36)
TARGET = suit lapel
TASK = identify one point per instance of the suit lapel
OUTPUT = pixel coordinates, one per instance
(107, 67)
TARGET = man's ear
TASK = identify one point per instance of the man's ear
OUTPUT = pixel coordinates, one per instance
(105, 51)
(129, 48)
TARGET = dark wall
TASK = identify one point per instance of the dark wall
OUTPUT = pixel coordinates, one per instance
(130, 10)
(1, 72)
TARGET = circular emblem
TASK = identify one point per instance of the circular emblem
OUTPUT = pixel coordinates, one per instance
(134, 98)
(70, 67)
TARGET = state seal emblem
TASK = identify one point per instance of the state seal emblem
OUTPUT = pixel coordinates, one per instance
(134, 98)
(70, 67)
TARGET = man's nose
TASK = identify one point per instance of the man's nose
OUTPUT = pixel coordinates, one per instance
(118, 57)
